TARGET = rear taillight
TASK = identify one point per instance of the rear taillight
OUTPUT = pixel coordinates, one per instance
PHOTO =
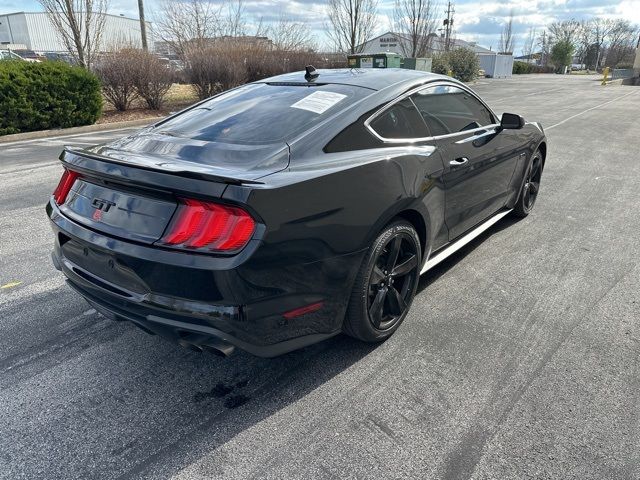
(208, 226)
(64, 186)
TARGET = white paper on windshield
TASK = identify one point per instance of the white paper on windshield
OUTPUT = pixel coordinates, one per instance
(318, 102)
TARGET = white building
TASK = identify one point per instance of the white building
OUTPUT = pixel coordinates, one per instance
(494, 64)
(34, 31)
(392, 42)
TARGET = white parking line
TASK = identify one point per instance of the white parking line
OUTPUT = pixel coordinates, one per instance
(58, 143)
(26, 168)
(90, 134)
(588, 110)
(528, 94)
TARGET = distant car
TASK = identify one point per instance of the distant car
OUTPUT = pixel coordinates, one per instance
(177, 65)
(282, 212)
(60, 57)
(30, 56)
(9, 55)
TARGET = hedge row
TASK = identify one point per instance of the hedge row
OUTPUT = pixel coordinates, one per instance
(211, 69)
(524, 67)
(40, 96)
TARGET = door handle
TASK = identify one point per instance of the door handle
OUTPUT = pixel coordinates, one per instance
(458, 161)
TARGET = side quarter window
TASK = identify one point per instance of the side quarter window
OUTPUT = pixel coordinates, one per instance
(448, 109)
(400, 121)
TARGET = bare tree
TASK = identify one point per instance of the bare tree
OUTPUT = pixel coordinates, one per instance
(351, 23)
(289, 35)
(79, 24)
(620, 42)
(115, 71)
(600, 29)
(543, 43)
(527, 48)
(584, 41)
(187, 25)
(415, 20)
(234, 24)
(151, 78)
(565, 31)
(216, 68)
(507, 39)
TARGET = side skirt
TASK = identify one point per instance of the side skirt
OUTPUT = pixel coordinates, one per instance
(462, 241)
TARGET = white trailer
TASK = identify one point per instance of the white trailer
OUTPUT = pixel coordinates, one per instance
(496, 65)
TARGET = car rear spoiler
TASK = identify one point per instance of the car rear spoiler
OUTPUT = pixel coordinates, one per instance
(70, 156)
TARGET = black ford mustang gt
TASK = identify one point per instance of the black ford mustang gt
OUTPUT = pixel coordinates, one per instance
(285, 211)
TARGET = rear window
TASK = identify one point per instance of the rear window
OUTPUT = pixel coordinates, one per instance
(262, 113)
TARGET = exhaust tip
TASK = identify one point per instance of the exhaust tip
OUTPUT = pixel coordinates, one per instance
(220, 349)
(190, 346)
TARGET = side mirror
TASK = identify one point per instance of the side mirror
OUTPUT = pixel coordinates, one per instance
(511, 121)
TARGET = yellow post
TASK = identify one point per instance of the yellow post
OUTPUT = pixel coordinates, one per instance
(605, 74)
(450, 73)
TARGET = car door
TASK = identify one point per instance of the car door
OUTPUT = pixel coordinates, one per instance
(400, 124)
(479, 161)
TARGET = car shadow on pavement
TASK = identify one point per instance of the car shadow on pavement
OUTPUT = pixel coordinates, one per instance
(291, 377)
(123, 404)
(227, 397)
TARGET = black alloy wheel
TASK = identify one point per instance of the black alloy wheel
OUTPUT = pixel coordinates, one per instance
(392, 281)
(386, 284)
(530, 187)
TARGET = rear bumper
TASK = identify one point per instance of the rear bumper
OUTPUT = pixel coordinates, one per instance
(187, 333)
(202, 301)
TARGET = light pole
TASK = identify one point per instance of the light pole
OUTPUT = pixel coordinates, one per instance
(143, 25)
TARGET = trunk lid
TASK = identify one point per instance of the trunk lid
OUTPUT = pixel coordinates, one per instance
(170, 153)
(130, 188)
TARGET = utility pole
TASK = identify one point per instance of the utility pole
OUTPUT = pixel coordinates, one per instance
(544, 48)
(143, 25)
(448, 26)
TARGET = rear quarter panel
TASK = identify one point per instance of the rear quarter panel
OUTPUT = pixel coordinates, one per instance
(338, 204)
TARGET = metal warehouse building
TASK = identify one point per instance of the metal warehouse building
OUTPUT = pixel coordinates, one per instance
(34, 31)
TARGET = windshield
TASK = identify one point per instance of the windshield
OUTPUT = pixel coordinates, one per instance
(262, 113)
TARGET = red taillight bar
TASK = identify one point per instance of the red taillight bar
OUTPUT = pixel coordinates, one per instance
(208, 226)
(64, 186)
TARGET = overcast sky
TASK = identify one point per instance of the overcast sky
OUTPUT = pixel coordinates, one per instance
(479, 21)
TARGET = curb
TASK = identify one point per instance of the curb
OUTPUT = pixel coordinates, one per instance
(17, 137)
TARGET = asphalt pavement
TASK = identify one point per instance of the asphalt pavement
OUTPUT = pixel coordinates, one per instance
(519, 358)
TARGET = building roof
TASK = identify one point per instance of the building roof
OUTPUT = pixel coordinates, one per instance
(373, 78)
(45, 13)
(437, 42)
(532, 56)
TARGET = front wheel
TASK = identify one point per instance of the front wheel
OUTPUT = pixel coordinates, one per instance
(530, 187)
(385, 285)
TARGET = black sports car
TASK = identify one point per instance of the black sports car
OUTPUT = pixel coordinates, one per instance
(285, 211)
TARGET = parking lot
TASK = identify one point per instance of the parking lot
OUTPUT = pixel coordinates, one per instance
(520, 356)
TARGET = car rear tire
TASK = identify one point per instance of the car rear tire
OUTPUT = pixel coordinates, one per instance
(530, 187)
(385, 285)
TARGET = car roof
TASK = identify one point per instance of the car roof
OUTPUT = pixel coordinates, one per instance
(372, 78)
